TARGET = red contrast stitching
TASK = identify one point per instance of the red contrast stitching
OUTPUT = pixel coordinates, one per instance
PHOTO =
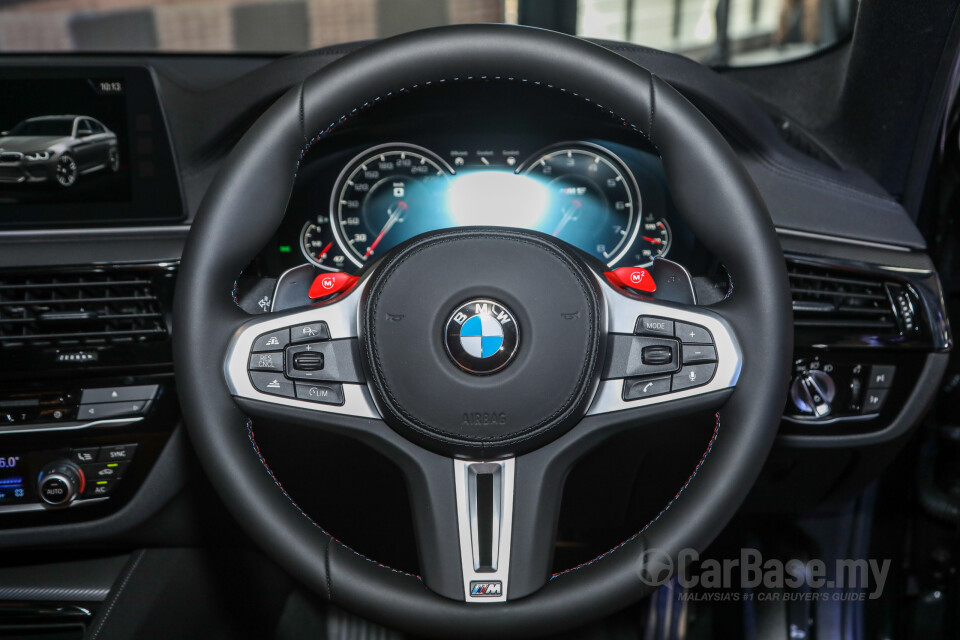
(713, 438)
(256, 448)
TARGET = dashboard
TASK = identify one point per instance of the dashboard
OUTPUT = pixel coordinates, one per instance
(868, 306)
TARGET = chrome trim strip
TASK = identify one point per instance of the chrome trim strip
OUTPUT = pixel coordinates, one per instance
(342, 319)
(467, 526)
(69, 426)
(104, 232)
(36, 506)
(809, 235)
(622, 312)
(820, 422)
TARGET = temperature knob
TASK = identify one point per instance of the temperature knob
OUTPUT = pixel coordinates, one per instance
(60, 483)
(812, 392)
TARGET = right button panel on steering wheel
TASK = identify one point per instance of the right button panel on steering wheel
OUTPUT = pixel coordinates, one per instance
(694, 365)
(705, 354)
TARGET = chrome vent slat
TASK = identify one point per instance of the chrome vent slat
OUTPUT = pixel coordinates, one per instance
(71, 283)
(78, 301)
(832, 299)
(93, 308)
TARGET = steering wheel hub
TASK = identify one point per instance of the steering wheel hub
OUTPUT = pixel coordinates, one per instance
(482, 342)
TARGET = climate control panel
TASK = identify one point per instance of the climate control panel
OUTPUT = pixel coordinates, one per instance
(62, 478)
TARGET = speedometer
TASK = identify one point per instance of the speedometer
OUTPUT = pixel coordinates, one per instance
(593, 199)
(384, 196)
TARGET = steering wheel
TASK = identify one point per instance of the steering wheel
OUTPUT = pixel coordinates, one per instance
(483, 361)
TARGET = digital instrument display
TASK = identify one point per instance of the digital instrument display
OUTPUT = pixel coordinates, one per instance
(13, 480)
(579, 192)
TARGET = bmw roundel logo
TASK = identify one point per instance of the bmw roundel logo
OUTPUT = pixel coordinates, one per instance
(481, 336)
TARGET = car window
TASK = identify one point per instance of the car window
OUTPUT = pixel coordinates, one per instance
(94, 126)
(717, 32)
(44, 127)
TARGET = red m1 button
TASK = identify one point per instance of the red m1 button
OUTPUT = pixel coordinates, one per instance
(327, 284)
(636, 278)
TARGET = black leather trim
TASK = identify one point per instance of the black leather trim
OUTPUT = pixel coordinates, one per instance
(79, 581)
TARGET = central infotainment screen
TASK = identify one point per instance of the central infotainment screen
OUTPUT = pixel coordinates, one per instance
(83, 146)
(64, 140)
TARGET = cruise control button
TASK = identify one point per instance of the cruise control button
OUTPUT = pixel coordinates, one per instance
(272, 341)
(645, 388)
(309, 332)
(99, 488)
(319, 392)
(650, 326)
(308, 361)
(82, 456)
(117, 452)
(881, 376)
(693, 376)
(111, 409)
(693, 333)
(873, 400)
(273, 383)
(340, 363)
(698, 353)
(271, 361)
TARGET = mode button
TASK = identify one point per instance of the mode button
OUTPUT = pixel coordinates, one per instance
(652, 326)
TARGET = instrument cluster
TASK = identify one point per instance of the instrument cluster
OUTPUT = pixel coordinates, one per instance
(606, 199)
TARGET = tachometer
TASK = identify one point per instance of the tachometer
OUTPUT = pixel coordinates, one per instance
(318, 246)
(594, 202)
(384, 196)
(653, 240)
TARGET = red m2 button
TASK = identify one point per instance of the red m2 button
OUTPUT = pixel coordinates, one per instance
(636, 278)
(328, 284)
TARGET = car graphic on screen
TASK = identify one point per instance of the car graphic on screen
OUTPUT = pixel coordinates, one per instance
(59, 148)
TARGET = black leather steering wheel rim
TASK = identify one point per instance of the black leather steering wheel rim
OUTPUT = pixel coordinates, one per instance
(249, 196)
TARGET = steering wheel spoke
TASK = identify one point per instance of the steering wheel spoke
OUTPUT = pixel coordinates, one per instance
(485, 529)
(658, 352)
(306, 359)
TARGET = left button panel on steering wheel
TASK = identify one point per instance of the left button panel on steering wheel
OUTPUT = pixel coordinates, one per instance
(307, 359)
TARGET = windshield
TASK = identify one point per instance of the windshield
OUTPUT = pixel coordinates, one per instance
(44, 127)
(717, 32)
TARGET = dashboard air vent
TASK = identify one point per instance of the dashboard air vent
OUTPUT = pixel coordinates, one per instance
(79, 309)
(852, 302)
